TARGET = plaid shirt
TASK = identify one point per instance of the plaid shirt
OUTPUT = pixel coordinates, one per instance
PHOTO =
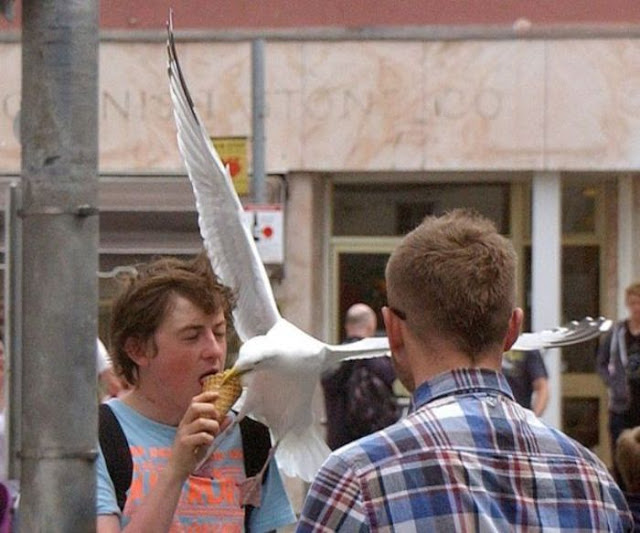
(467, 458)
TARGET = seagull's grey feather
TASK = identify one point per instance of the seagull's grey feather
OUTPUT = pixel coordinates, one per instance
(362, 349)
(231, 250)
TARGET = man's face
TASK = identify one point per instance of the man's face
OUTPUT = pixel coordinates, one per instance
(633, 305)
(190, 344)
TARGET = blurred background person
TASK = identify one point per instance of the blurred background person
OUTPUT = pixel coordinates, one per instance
(628, 460)
(528, 379)
(358, 395)
(618, 364)
(3, 456)
(109, 384)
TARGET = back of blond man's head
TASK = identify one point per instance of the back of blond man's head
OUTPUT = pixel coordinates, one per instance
(454, 277)
(628, 458)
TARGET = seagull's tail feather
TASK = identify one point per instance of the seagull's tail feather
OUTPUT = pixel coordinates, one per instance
(301, 455)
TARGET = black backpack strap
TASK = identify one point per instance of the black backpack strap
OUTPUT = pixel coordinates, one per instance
(256, 443)
(115, 449)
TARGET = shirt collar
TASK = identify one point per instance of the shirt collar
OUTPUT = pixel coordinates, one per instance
(460, 381)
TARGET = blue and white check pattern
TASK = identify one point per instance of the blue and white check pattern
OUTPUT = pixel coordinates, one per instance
(468, 458)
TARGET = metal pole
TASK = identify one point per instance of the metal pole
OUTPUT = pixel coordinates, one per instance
(13, 332)
(59, 136)
(257, 115)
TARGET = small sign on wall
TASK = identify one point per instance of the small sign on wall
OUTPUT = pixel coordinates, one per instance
(266, 224)
(233, 152)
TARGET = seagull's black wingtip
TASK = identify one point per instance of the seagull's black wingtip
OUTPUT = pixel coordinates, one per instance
(174, 65)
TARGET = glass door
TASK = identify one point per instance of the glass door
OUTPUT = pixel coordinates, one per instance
(358, 274)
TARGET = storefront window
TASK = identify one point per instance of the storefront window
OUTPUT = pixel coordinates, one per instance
(397, 208)
(579, 209)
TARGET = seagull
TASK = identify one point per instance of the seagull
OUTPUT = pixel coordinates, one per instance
(280, 364)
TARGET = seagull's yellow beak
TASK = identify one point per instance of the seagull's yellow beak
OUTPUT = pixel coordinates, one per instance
(234, 371)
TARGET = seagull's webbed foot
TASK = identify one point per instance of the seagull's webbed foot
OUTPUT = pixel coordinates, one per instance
(251, 488)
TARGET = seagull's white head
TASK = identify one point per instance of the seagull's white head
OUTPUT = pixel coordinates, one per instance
(255, 352)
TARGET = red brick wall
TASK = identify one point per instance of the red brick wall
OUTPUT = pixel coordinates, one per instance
(229, 14)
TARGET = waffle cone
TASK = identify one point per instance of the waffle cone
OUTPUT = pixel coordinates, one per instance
(229, 388)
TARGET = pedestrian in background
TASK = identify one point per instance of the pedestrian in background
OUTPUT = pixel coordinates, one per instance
(527, 376)
(349, 418)
(618, 364)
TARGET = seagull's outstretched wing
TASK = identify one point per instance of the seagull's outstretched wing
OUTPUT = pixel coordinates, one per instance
(362, 349)
(231, 250)
(573, 333)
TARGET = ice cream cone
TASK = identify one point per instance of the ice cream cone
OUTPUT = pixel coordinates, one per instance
(229, 387)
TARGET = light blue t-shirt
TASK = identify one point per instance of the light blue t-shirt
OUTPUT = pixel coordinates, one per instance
(210, 498)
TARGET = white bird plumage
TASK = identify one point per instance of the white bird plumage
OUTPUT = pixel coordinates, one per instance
(574, 332)
(282, 363)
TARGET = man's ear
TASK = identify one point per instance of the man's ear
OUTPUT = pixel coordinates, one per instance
(393, 326)
(515, 323)
(136, 350)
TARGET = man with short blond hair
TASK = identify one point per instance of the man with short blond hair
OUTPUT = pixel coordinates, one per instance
(467, 457)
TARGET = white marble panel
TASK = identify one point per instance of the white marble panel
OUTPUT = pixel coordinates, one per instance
(137, 131)
(372, 106)
(593, 105)
(284, 113)
(485, 105)
(362, 106)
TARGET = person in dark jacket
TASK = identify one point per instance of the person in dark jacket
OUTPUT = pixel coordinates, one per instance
(360, 322)
(618, 364)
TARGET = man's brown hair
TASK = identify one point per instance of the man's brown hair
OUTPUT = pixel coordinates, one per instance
(454, 276)
(145, 298)
(628, 458)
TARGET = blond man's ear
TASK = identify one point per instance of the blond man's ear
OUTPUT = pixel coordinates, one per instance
(393, 327)
(515, 323)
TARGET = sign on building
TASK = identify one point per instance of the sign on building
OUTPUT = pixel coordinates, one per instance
(233, 152)
(266, 224)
